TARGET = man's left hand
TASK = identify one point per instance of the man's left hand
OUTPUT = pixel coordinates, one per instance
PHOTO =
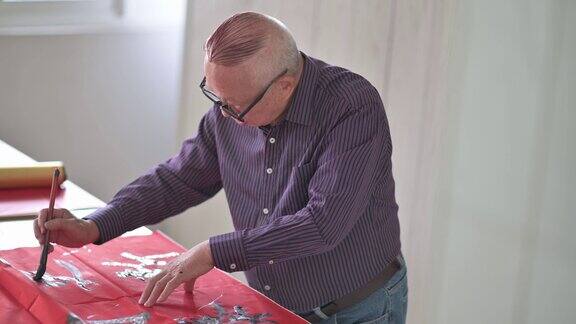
(184, 269)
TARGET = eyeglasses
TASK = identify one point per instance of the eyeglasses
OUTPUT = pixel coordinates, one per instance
(229, 110)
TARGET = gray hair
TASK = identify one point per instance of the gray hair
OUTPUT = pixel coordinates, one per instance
(254, 36)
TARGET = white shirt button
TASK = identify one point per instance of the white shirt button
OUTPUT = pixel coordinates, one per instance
(233, 266)
(269, 170)
(272, 140)
(266, 287)
(265, 211)
(271, 262)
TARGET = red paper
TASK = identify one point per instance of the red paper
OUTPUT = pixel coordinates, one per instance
(12, 311)
(90, 283)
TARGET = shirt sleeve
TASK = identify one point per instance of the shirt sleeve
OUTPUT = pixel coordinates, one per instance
(185, 180)
(351, 162)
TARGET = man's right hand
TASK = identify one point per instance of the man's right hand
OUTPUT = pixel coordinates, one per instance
(65, 229)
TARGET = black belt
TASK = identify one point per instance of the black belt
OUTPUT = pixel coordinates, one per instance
(358, 295)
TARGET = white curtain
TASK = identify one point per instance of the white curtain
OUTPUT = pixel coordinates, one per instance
(477, 94)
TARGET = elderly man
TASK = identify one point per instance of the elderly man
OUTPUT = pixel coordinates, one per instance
(303, 152)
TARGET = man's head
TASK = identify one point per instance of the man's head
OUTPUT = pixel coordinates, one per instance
(251, 56)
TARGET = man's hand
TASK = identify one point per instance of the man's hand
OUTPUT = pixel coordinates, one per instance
(184, 269)
(65, 229)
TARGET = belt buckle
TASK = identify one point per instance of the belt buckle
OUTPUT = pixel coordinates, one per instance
(319, 314)
(329, 309)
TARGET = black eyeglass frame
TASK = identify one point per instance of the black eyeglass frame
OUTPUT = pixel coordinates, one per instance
(227, 109)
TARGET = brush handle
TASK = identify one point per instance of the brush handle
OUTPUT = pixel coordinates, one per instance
(45, 249)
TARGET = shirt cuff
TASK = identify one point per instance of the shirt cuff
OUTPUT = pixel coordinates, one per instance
(109, 221)
(228, 252)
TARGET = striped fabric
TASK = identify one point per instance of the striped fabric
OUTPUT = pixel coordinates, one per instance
(311, 198)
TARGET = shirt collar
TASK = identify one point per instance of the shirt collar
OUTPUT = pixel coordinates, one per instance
(300, 109)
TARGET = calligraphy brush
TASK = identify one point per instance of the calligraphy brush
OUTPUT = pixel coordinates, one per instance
(45, 249)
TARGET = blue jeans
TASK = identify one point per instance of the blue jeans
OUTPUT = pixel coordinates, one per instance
(387, 305)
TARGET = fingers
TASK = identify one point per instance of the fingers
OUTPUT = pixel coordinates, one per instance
(40, 236)
(41, 219)
(157, 290)
(176, 272)
(50, 248)
(37, 232)
(150, 285)
(43, 216)
(59, 224)
(172, 284)
(189, 285)
(67, 228)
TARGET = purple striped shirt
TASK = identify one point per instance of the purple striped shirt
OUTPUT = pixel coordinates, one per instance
(312, 198)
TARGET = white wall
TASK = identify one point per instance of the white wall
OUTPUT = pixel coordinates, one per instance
(505, 245)
(480, 100)
(102, 98)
